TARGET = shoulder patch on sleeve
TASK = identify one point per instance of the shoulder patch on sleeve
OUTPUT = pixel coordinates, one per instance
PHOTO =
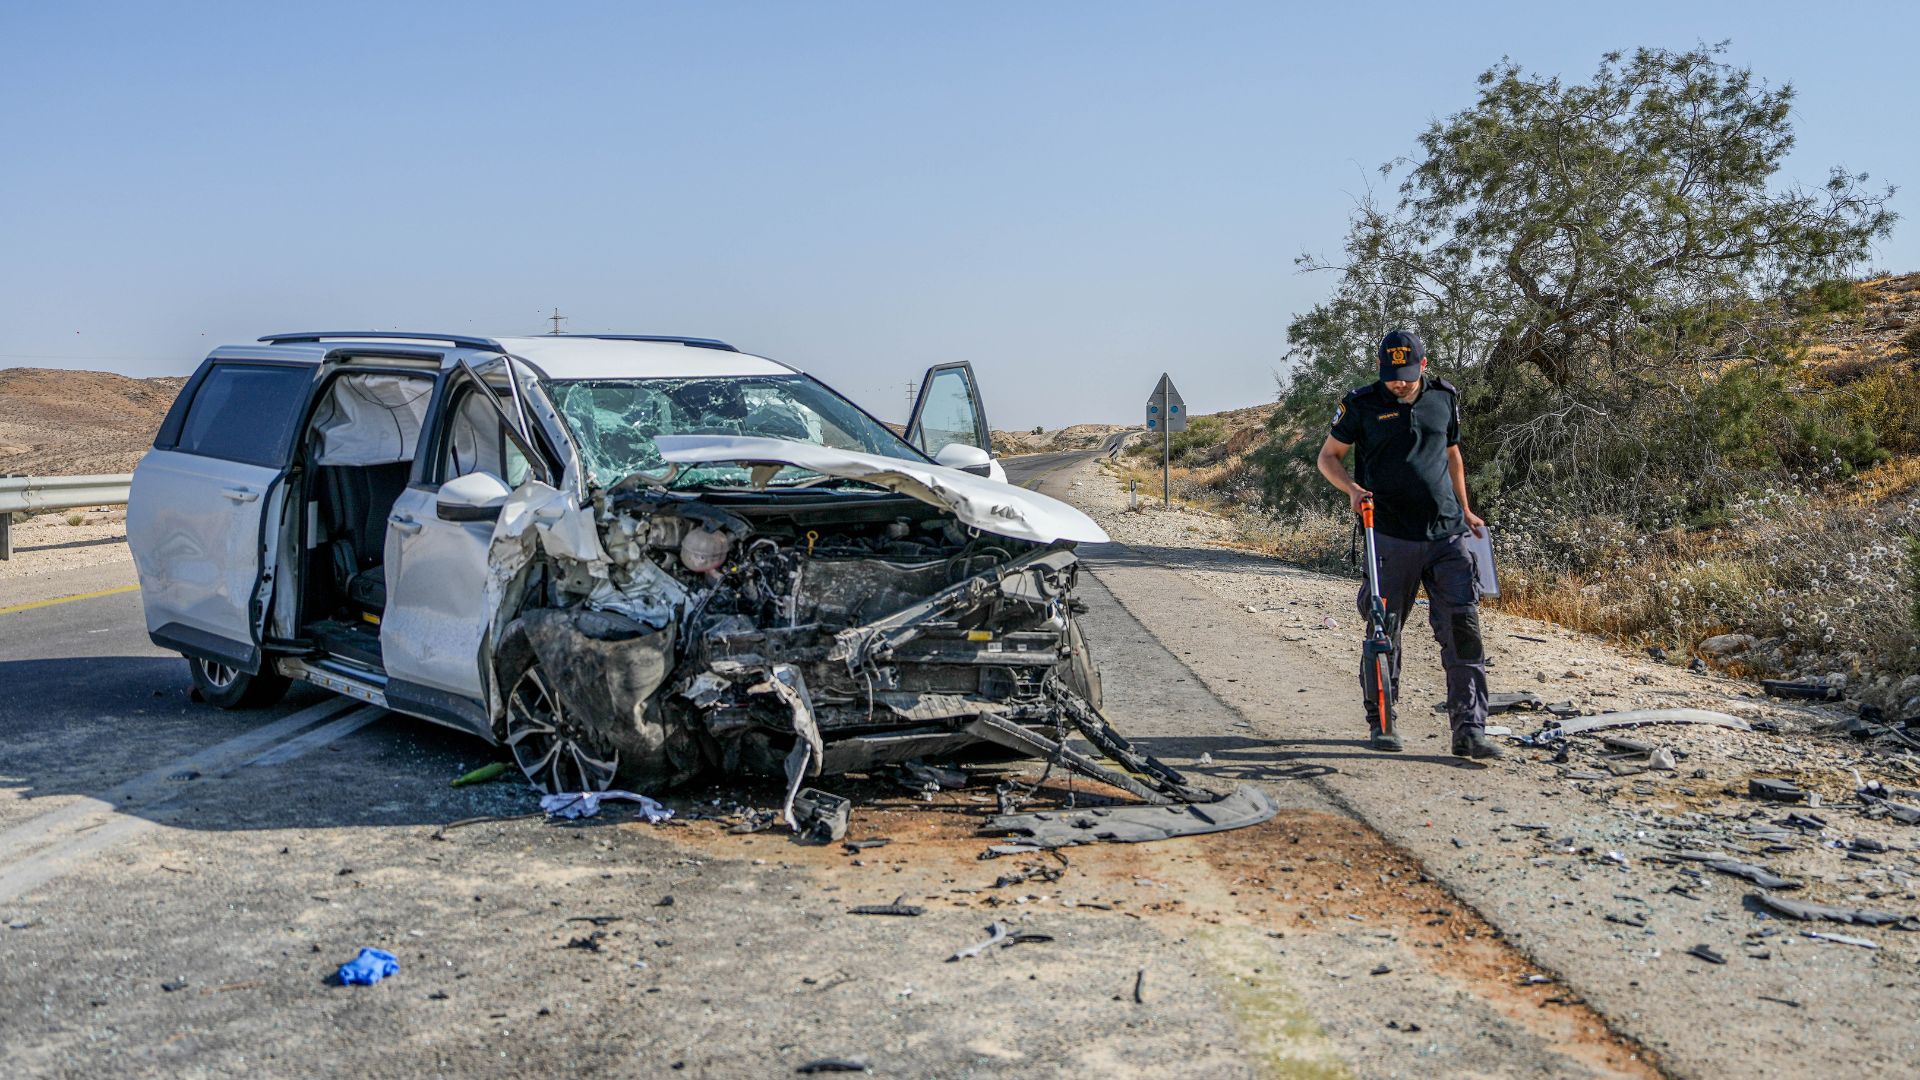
(1339, 413)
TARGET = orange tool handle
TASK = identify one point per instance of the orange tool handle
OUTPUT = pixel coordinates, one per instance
(1366, 512)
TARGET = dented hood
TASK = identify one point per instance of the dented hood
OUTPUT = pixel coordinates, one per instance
(987, 505)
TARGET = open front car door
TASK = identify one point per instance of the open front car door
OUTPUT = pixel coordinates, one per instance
(949, 422)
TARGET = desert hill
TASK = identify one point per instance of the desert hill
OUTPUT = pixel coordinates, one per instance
(55, 422)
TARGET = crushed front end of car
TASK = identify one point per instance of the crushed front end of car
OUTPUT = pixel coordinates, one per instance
(807, 633)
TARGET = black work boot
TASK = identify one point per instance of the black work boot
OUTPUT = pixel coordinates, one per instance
(1473, 743)
(1383, 740)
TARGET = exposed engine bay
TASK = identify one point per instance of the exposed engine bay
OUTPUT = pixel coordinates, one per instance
(796, 635)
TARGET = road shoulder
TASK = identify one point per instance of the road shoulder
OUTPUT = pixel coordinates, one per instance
(1530, 849)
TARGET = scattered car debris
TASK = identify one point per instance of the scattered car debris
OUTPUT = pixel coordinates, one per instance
(1578, 725)
(834, 1065)
(996, 934)
(1807, 911)
(1801, 691)
(1140, 987)
(1775, 790)
(568, 806)
(854, 847)
(1706, 953)
(369, 967)
(1874, 795)
(1718, 863)
(1789, 1002)
(1134, 824)
(1840, 939)
(819, 817)
(590, 943)
(898, 907)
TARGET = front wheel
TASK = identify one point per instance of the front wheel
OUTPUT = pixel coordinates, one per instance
(550, 749)
(230, 688)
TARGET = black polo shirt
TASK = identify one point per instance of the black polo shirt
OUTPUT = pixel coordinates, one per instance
(1400, 454)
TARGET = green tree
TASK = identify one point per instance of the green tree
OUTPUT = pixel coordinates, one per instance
(1586, 258)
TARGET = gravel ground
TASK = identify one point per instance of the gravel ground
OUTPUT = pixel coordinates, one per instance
(1578, 866)
(49, 555)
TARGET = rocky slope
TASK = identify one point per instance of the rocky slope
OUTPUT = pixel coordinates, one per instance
(56, 422)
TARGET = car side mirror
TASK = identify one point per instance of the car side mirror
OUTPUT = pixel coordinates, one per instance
(965, 458)
(477, 496)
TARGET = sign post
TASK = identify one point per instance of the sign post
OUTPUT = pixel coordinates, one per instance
(1166, 413)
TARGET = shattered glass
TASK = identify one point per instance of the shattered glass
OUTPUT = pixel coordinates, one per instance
(614, 422)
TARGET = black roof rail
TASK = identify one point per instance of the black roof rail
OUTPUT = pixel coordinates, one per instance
(462, 340)
(696, 342)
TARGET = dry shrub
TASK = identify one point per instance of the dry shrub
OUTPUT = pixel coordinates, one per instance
(1822, 579)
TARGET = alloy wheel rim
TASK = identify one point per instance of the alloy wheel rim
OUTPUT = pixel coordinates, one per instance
(219, 676)
(553, 754)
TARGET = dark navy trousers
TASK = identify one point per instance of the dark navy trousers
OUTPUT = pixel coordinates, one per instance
(1453, 608)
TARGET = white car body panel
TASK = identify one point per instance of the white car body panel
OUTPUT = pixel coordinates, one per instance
(193, 526)
(986, 504)
(438, 605)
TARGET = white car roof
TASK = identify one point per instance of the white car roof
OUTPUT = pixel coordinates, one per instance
(563, 358)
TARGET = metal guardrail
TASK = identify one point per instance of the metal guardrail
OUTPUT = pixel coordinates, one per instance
(37, 494)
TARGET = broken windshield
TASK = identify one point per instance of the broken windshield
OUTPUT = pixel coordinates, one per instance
(614, 422)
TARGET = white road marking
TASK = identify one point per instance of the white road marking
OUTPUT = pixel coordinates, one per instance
(66, 836)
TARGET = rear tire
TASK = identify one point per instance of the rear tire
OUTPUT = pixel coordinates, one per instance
(230, 688)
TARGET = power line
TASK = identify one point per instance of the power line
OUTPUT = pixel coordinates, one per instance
(556, 318)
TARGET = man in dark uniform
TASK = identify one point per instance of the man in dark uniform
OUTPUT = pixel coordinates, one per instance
(1405, 431)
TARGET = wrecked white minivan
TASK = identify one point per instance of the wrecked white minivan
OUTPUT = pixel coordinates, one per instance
(637, 557)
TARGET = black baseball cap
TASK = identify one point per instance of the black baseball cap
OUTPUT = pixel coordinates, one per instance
(1401, 354)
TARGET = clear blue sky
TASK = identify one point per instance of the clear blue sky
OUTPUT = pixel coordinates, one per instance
(1075, 197)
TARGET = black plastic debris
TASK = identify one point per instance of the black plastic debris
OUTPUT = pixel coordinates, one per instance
(1381, 970)
(1800, 691)
(1806, 911)
(1804, 822)
(1133, 824)
(1705, 953)
(898, 907)
(855, 846)
(590, 943)
(1720, 864)
(1775, 790)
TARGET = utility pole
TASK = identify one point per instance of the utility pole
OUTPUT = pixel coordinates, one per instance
(913, 397)
(556, 318)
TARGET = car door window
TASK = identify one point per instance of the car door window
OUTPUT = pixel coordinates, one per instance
(477, 442)
(245, 413)
(949, 412)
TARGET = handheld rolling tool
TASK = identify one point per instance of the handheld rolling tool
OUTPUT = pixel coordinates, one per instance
(1378, 649)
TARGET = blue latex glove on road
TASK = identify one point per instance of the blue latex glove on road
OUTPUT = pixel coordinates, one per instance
(368, 968)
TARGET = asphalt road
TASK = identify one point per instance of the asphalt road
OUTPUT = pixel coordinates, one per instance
(177, 884)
